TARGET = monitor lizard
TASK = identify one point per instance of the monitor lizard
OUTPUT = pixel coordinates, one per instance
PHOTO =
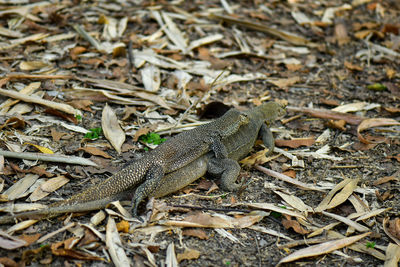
(236, 144)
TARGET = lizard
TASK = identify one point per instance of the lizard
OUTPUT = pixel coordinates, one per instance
(237, 145)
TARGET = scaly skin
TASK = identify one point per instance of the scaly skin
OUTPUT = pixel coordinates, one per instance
(237, 143)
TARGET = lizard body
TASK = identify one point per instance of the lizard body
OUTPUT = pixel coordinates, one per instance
(238, 143)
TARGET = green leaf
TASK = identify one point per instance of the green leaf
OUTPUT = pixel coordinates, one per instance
(93, 133)
(370, 244)
(376, 87)
(78, 117)
(152, 138)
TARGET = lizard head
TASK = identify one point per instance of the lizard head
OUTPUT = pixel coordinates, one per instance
(270, 111)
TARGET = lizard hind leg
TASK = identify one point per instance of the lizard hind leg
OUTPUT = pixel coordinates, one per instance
(228, 170)
(153, 178)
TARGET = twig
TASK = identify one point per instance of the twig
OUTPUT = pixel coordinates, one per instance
(48, 157)
(30, 99)
(208, 208)
(328, 114)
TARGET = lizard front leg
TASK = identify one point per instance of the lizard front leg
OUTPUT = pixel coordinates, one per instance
(153, 178)
(227, 169)
(267, 138)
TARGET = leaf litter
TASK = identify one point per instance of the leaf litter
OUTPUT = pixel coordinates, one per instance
(168, 61)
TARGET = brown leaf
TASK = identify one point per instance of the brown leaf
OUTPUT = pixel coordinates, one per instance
(30, 239)
(140, 132)
(95, 151)
(199, 233)
(14, 122)
(341, 34)
(352, 66)
(295, 143)
(81, 104)
(76, 51)
(67, 117)
(7, 262)
(284, 83)
(385, 179)
(188, 254)
(337, 124)
(394, 227)
(288, 223)
(56, 135)
(375, 122)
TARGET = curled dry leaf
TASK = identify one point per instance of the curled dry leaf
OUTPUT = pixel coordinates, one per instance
(111, 128)
(375, 122)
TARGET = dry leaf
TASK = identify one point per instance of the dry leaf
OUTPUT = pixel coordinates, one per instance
(295, 143)
(375, 122)
(338, 195)
(19, 189)
(199, 233)
(288, 223)
(392, 255)
(111, 129)
(188, 254)
(323, 248)
(47, 187)
(9, 242)
(385, 179)
(284, 83)
(114, 245)
(95, 151)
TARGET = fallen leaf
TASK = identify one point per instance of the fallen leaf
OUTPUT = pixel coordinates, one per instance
(295, 143)
(199, 233)
(352, 66)
(323, 248)
(385, 179)
(47, 187)
(338, 195)
(111, 128)
(41, 148)
(288, 223)
(392, 255)
(375, 122)
(114, 245)
(284, 83)
(188, 254)
(9, 242)
(95, 151)
(7, 262)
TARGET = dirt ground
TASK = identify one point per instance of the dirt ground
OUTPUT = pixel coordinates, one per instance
(161, 66)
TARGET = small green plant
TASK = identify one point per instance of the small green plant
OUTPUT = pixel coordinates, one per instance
(152, 138)
(370, 244)
(93, 133)
(227, 263)
(78, 117)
